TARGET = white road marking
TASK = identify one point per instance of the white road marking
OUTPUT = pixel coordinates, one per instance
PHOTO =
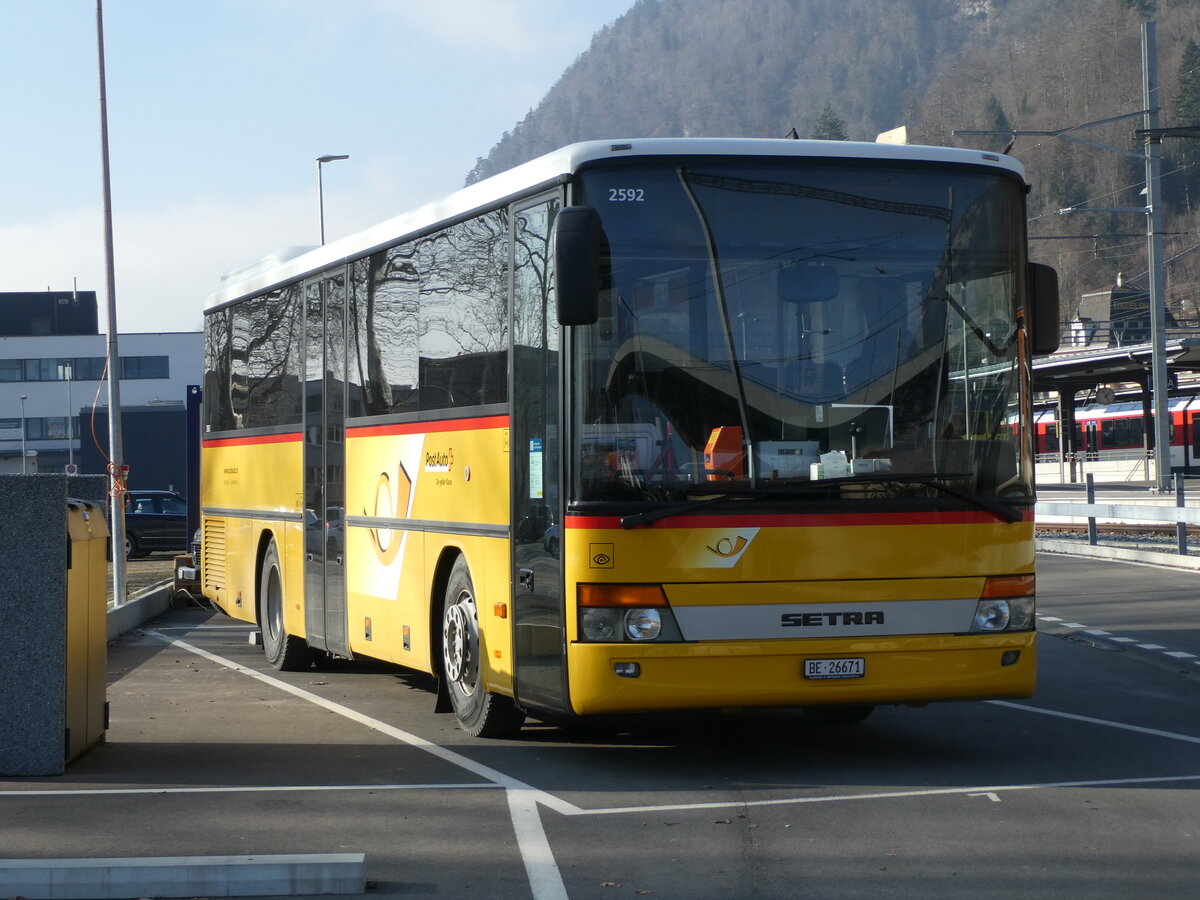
(544, 878)
(991, 795)
(244, 789)
(889, 795)
(1107, 723)
(545, 881)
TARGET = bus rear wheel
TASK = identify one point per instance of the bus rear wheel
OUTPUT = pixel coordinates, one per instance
(284, 651)
(479, 712)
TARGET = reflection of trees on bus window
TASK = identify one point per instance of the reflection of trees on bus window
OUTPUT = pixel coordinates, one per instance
(254, 348)
(429, 321)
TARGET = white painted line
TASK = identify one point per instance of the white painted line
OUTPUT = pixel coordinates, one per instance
(1098, 632)
(1072, 625)
(1050, 618)
(890, 795)
(1120, 726)
(256, 789)
(1151, 647)
(1180, 654)
(545, 880)
(534, 853)
(1125, 640)
(442, 753)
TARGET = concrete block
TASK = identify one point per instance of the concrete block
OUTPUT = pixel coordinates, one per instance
(184, 876)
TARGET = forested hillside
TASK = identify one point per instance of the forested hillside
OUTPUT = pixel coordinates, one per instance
(853, 68)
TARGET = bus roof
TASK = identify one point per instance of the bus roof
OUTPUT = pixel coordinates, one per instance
(294, 263)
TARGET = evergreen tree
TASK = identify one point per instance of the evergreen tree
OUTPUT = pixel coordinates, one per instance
(997, 120)
(829, 127)
(1181, 187)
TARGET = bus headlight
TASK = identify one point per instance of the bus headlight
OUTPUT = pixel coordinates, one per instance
(615, 613)
(991, 615)
(600, 625)
(643, 624)
(1009, 603)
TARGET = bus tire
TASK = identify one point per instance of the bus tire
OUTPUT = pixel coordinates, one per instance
(837, 715)
(284, 651)
(479, 712)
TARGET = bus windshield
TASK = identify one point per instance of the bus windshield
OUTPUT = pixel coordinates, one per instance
(808, 329)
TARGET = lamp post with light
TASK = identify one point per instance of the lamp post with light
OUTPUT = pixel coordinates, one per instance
(321, 160)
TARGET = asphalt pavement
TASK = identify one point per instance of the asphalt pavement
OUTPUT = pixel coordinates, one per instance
(210, 752)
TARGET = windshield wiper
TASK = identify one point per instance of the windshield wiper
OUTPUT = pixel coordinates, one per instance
(996, 507)
(633, 520)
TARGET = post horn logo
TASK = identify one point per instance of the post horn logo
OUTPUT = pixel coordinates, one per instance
(389, 502)
(727, 548)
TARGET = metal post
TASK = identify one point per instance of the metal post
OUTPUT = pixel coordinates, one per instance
(1180, 527)
(24, 456)
(116, 453)
(1158, 336)
(70, 373)
(1091, 498)
(321, 160)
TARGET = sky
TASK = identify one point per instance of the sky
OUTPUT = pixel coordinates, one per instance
(217, 112)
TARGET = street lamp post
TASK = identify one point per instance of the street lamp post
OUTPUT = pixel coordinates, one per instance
(24, 458)
(321, 160)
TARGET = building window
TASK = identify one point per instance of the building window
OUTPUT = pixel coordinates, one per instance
(145, 367)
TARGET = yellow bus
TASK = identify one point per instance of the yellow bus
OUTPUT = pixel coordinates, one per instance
(645, 425)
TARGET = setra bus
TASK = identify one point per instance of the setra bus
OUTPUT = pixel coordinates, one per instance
(645, 425)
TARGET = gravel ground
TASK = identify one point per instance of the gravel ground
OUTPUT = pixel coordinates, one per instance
(144, 573)
(1165, 543)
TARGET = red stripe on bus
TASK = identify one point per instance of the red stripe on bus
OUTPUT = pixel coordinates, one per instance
(441, 425)
(253, 439)
(791, 520)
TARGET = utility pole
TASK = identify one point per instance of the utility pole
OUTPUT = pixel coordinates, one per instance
(1154, 250)
(116, 478)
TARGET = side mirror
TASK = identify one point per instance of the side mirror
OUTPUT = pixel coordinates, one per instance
(578, 237)
(1043, 315)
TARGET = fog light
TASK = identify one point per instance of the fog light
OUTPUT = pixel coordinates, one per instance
(1010, 657)
(627, 669)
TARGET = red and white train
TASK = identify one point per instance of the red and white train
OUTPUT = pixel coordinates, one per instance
(1117, 431)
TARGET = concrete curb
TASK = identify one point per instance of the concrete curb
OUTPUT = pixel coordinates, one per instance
(184, 876)
(138, 609)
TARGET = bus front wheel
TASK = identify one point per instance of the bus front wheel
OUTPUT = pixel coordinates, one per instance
(284, 651)
(479, 712)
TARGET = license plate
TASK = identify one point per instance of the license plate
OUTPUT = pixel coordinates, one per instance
(846, 667)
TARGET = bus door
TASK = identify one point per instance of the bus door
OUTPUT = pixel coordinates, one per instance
(539, 632)
(325, 465)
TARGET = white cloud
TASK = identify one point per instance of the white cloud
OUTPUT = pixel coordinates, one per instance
(168, 260)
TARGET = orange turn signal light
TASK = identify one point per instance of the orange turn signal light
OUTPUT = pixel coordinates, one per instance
(626, 595)
(995, 586)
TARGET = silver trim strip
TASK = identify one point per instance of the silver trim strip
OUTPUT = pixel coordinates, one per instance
(818, 620)
(475, 529)
(276, 515)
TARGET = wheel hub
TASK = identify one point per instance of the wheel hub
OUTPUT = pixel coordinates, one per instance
(459, 641)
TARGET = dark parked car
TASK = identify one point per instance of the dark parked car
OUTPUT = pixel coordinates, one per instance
(154, 520)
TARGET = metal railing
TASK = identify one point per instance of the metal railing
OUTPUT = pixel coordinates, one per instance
(1180, 514)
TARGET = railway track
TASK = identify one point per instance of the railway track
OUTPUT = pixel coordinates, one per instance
(1112, 529)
